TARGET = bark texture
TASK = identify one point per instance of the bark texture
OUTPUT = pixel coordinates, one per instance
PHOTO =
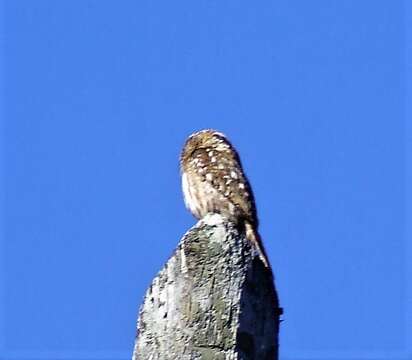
(213, 300)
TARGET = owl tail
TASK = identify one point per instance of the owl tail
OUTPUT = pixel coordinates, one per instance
(253, 236)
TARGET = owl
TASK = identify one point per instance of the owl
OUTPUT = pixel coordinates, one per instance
(213, 181)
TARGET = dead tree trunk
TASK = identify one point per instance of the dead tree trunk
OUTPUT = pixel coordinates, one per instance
(213, 300)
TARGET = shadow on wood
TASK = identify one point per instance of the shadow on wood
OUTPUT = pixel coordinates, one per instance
(214, 299)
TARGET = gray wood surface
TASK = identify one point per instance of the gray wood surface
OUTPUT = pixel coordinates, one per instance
(214, 299)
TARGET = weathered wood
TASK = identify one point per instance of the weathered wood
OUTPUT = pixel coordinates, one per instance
(213, 300)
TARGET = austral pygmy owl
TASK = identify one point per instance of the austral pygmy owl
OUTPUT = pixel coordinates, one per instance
(213, 181)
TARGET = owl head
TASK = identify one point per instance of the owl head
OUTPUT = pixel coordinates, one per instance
(205, 139)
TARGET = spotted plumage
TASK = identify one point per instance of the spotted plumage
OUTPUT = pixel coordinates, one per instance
(213, 181)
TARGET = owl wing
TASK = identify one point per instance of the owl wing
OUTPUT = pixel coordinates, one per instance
(222, 170)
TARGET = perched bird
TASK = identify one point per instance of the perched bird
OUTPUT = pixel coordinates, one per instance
(213, 181)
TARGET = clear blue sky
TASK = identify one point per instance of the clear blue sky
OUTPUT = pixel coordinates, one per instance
(99, 97)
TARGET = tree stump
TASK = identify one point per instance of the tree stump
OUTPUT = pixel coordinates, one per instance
(213, 300)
